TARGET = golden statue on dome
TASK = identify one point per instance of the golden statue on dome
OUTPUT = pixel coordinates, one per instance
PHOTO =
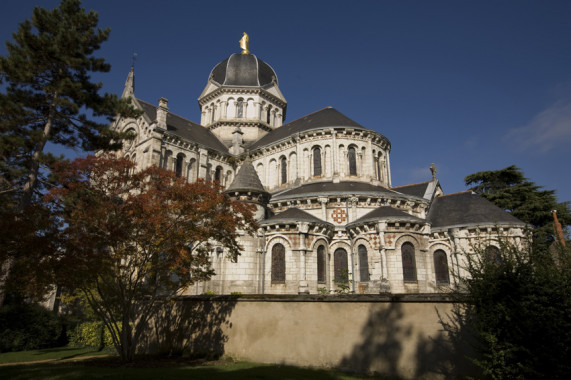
(245, 44)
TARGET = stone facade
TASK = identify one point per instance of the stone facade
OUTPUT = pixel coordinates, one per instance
(330, 218)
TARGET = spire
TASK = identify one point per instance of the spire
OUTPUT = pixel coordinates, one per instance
(247, 180)
(129, 90)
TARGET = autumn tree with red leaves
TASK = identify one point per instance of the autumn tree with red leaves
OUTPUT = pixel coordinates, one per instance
(134, 238)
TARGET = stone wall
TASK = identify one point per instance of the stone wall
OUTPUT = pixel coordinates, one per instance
(394, 335)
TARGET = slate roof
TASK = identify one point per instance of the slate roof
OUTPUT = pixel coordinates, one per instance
(332, 189)
(416, 189)
(247, 179)
(327, 117)
(294, 215)
(185, 129)
(243, 70)
(462, 209)
(386, 212)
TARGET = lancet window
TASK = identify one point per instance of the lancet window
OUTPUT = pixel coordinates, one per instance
(441, 268)
(278, 264)
(408, 262)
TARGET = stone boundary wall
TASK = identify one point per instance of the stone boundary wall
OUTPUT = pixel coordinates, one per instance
(394, 335)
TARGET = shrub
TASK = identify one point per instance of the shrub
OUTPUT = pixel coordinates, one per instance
(29, 327)
(90, 334)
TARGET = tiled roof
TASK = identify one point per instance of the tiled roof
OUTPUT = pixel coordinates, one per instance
(416, 189)
(247, 179)
(386, 212)
(293, 215)
(327, 117)
(341, 188)
(186, 129)
(465, 208)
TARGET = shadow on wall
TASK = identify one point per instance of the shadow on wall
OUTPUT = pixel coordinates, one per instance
(190, 326)
(393, 347)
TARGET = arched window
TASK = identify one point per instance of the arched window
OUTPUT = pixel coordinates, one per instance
(441, 267)
(340, 265)
(492, 255)
(212, 110)
(278, 264)
(363, 263)
(408, 262)
(179, 164)
(218, 173)
(240, 108)
(283, 163)
(268, 114)
(378, 166)
(352, 161)
(321, 264)
(316, 161)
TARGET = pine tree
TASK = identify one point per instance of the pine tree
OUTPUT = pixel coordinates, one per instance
(49, 97)
(509, 189)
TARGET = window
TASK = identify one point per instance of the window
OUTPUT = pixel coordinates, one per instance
(212, 110)
(278, 264)
(179, 164)
(492, 255)
(441, 267)
(321, 264)
(166, 159)
(240, 108)
(378, 166)
(352, 161)
(363, 263)
(316, 161)
(340, 265)
(218, 173)
(283, 162)
(408, 263)
(268, 114)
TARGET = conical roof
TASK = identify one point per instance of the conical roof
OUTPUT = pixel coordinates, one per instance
(247, 180)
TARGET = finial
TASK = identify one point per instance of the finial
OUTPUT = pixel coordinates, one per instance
(433, 171)
(133, 60)
(245, 44)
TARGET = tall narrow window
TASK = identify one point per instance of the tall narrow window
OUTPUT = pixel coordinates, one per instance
(283, 162)
(340, 265)
(352, 161)
(441, 267)
(212, 113)
(179, 164)
(167, 160)
(268, 114)
(408, 262)
(321, 264)
(240, 108)
(378, 165)
(278, 264)
(218, 173)
(316, 161)
(363, 263)
(492, 255)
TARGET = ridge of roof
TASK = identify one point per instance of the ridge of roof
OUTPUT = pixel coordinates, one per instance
(386, 212)
(411, 184)
(331, 188)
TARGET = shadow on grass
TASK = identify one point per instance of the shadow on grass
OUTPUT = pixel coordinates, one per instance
(237, 371)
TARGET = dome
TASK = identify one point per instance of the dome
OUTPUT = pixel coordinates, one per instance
(243, 70)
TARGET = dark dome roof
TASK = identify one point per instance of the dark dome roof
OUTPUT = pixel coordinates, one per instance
(243, 70)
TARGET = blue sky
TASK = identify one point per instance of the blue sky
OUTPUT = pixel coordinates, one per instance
(469, 86)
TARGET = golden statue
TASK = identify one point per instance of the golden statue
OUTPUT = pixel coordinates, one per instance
(245, 44)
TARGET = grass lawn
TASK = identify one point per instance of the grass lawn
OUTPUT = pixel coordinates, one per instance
(109, 369)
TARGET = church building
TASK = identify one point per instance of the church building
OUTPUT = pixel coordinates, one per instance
(329, 216)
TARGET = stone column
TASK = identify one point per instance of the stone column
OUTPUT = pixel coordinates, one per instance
(385, 286)
(303, 287)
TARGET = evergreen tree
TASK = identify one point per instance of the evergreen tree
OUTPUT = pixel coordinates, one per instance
(49, 97)
(509, 189)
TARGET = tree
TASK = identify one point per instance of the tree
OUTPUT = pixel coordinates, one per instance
(50, 97)
(517, 305)
(133, 239)
(510, 190)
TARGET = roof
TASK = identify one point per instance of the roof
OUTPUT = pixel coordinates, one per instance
(186, 129)
(386, 212)
(327, 117)
(332, 189)
(293, 215)
(243, 70)
(461, 209)
(247, 179)
(415, 189)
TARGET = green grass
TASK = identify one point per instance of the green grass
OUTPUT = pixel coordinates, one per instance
(111, 370)
(59, 353)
